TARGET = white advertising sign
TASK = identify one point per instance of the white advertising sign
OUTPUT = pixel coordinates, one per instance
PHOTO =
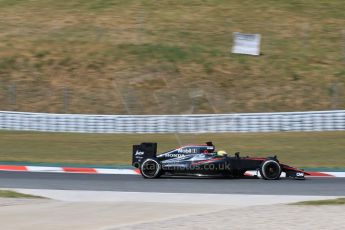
(246, 44)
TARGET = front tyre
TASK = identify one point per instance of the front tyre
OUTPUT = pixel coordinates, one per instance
(270, 170)
(150, 168)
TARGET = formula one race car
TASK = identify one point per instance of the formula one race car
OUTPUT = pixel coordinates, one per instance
(203, 160)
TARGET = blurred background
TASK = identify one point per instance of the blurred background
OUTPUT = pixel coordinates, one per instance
(170, 57)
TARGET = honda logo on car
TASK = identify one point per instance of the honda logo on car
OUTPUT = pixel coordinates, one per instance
(174, 155)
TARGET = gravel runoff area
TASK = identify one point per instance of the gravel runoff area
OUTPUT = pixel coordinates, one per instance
(90, 210)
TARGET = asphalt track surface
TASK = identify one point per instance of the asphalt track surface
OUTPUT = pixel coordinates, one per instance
(135, 183)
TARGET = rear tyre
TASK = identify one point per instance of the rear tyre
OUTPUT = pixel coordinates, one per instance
(270, 170)
(151, 168)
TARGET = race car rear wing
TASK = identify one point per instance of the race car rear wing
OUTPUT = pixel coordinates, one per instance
(142, 152)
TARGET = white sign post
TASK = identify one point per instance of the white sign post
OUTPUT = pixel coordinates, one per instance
(246, 44)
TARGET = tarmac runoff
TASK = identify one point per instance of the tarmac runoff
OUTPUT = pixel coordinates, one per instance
(70, 208)
(110, 210)
(105, 210)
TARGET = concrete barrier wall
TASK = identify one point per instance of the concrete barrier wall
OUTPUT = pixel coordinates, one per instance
(205, 123)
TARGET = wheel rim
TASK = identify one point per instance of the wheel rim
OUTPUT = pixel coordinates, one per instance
(150, 168)
(271, 170)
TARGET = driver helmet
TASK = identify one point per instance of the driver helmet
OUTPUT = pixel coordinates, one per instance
(221, 152)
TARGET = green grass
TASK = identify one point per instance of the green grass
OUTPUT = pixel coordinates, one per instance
(12, 194)
(338, 201)
(306, 149)
(113, 55)
(156, 52)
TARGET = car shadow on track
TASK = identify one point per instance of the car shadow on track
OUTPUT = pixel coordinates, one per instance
(210, 177)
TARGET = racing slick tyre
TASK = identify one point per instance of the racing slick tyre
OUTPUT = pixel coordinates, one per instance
(151, 168)
(270, 170)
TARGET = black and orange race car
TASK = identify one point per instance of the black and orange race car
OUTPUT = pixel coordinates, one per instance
(204, 160)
